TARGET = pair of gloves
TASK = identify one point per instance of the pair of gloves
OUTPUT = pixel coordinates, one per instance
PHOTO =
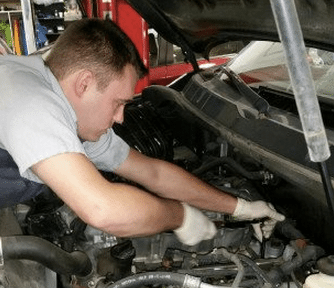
(196, 227)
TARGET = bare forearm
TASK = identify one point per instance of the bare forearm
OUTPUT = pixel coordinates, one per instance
(176, 183)
(170, 181)
(119, 209)
(133, 212)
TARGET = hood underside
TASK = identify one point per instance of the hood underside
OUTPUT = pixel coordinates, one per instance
(199, 25)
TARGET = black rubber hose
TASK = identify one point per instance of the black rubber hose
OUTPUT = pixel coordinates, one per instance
(150, 278)
(309, 253)
(288, 230)
(327, 183)
(232, 164)
(42, 251)
(263, 275)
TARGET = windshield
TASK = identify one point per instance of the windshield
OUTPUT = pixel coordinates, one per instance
(262, 63)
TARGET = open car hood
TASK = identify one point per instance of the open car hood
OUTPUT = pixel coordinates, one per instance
(199, 25)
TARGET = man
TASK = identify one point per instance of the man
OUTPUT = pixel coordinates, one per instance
(56, 121)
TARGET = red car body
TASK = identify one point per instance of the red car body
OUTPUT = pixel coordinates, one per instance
(137, 29)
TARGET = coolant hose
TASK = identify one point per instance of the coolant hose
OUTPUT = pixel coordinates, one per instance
(263, 275)
(150, 278)
(162, 278)
(309, 253)
(42, 251)
(288, 230)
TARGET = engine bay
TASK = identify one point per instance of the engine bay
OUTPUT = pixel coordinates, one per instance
(246, 141)
(233, 258)
(44, 244)
(51, 247)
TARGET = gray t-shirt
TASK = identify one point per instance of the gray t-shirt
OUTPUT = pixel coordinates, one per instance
(37, 121)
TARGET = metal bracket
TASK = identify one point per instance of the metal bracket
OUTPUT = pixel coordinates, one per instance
(191, 282)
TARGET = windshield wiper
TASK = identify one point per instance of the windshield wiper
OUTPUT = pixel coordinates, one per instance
(254, 98)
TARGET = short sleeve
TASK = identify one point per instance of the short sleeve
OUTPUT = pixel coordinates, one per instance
(35, 126)
(109, 152)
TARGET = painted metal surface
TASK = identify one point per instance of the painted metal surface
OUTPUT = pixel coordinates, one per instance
(136, 28)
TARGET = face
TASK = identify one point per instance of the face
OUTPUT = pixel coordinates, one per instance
(100, 110)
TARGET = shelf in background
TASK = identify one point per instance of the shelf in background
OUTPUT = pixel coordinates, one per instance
(11, 12)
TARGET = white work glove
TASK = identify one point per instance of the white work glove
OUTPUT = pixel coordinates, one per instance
(246, 210)
(195, 228)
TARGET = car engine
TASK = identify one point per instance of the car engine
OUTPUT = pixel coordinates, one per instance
(44, 244)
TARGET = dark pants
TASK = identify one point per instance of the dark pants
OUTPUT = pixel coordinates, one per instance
(13, 188)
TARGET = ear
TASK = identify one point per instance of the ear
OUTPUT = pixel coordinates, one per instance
(84, 81)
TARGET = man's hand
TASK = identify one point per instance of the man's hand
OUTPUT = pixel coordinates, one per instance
(195, 228)
(246, 210)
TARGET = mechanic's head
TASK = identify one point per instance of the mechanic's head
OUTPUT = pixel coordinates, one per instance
(97, 67)
(94, 44)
